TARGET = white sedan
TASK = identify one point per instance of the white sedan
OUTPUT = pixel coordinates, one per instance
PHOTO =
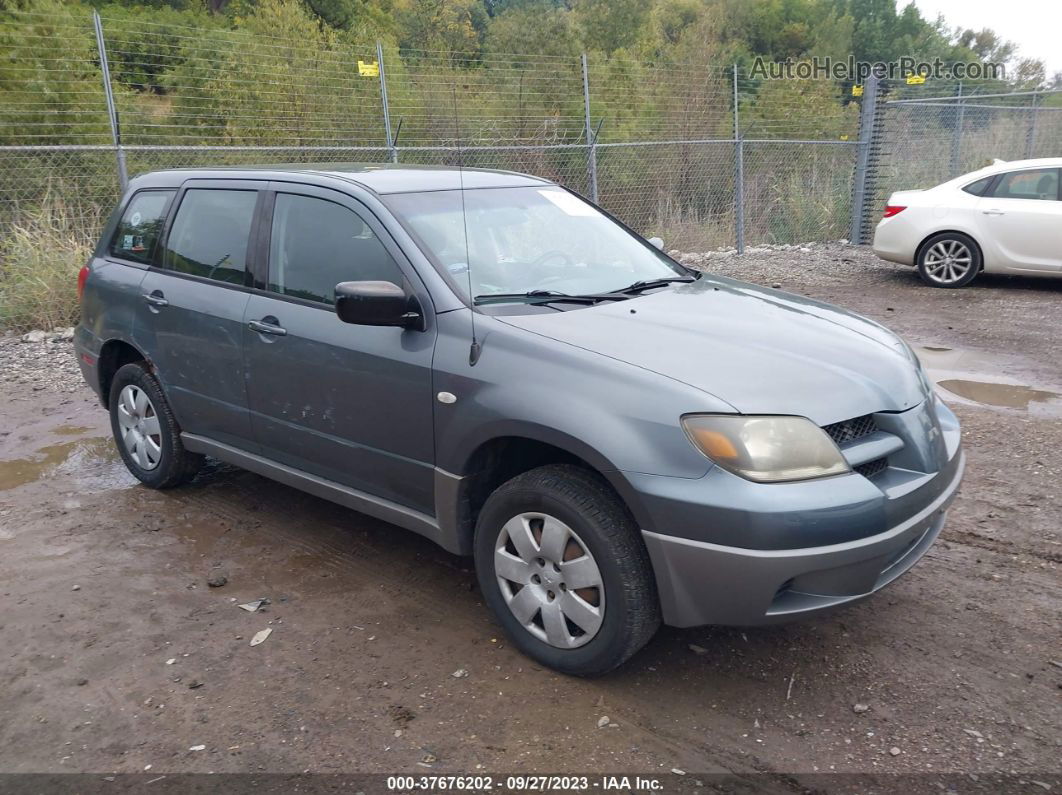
(1006, 218)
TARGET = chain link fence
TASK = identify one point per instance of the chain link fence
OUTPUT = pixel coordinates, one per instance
(703, 155)
(930, 133)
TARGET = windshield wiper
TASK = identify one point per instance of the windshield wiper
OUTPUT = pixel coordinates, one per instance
(545, 297)
(649, 284)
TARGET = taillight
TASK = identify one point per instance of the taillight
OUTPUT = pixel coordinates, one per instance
(893, 209)
(82, 277)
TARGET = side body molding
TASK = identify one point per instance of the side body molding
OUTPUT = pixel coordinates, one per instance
(443, 531)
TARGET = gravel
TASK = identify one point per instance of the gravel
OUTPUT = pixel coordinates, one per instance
(45, 365)
(792, 266)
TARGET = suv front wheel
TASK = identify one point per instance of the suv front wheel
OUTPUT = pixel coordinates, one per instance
(146, 432)
(563, 568)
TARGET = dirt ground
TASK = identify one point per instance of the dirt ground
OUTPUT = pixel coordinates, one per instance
(116, 656)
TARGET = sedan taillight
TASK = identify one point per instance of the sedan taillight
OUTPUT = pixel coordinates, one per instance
(893, 209)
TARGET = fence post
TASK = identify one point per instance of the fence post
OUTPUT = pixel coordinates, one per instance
(591, 137)
(392, 150)
(739, 174)
(1030, 137)
(112, 113)
(955, 164)
(867, 117)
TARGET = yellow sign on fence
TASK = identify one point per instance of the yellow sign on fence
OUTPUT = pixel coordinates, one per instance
(857, 91)
(915, 80)
(371, 69)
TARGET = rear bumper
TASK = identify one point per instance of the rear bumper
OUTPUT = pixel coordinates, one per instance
(704, 583)
(895, 240)
(87, 351)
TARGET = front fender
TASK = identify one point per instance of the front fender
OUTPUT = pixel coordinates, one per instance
(613, 415)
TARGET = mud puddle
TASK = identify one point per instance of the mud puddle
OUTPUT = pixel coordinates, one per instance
(89, 464)
(972, 376)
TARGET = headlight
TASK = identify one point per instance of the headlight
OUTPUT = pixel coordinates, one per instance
(765, 449)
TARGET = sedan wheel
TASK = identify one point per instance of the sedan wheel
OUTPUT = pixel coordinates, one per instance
(949, 260)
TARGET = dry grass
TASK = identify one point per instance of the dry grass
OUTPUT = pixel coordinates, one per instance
(41, 252)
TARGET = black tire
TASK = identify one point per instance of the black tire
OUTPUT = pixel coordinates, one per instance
(175, 465)
(583, 501)
(931, 271)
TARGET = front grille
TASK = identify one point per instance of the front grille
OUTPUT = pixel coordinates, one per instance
(850, 430)
(872, 468)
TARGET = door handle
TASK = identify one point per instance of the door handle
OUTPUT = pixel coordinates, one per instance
(993, 211)
(267, 325)
(156, 299)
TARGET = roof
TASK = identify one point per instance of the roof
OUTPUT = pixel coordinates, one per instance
(379, 178)
(1015, 165)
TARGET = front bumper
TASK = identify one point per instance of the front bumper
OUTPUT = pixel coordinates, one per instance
(705, 583)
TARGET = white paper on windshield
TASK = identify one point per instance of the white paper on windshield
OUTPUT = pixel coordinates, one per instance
(572, 205)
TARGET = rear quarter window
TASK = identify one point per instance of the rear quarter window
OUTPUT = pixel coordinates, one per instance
(978, 188)
(138, 230)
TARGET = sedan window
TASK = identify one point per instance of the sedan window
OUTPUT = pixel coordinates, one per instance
(978, 188)
(1041, 183)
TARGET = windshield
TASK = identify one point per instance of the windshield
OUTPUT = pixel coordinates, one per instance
(526, 239)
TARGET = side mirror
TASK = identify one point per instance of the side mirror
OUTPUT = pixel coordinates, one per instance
(657, 242)
(377, 304)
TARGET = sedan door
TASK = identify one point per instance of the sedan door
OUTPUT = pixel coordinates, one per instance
(352, 404)
(1022, 221)
(191, 316)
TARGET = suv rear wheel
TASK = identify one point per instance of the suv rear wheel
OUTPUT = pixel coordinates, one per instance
(564, 570)
(146, 432)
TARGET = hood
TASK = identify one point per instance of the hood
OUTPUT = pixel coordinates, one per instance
(760, 350)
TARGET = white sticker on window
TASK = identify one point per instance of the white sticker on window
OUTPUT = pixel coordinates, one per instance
(571, 205)
(127, 242)
(135, 220)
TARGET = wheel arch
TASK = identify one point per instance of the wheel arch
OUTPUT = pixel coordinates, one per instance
(495, 460)
(114, 354)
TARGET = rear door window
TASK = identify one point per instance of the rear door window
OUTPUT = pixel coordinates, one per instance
(1039, 183)
(316, 244)
(210, 234)
(138, 230)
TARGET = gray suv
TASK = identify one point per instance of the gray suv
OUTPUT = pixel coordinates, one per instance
(488, 360)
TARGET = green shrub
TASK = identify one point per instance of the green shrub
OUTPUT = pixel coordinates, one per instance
(41, 253)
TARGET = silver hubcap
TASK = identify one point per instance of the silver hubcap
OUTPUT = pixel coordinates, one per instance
(550, 580)
(947, 261)
(139, 426)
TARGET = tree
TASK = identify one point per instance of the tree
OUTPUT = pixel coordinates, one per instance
(530, 29)
(610, 25)
(454, 26)
(368, 16)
